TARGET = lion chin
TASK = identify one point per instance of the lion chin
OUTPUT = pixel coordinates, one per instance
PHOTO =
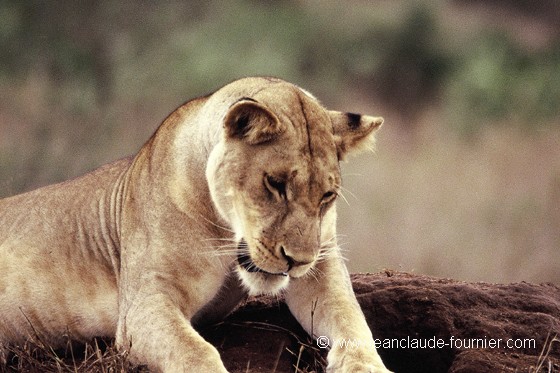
(258, 281)
(262, 282)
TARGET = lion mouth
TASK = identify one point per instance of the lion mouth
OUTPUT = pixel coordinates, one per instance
(245, 261)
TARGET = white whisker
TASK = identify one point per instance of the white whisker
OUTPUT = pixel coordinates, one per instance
(315, 273)
(226, 246)
(220, 239)
(216, 224)
(344, 191)
(352, 174)
(226, 249)
(344, 198)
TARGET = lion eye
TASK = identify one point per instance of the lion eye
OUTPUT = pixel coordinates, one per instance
(328, 197)
(275, 186)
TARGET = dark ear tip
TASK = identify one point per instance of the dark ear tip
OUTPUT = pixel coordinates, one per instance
(356, 120)
(353, 120)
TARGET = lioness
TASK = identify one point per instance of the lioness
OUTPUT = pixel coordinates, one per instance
(234, 194)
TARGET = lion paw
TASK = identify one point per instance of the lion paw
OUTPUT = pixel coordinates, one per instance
(354, 361)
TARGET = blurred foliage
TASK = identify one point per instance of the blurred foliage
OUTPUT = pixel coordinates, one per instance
(495, 81)
(99, 52)
(85, 82)
(413, 61)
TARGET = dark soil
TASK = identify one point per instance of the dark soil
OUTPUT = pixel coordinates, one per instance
(472, 322)
(405, 309)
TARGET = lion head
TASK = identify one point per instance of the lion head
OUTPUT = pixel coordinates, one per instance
(274, 177)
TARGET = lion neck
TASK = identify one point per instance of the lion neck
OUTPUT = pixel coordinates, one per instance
(168, 173)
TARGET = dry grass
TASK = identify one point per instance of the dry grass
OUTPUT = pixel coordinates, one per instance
(544, 364)
(101, 356)
(480, 209)
(308, 358)
(95, 357)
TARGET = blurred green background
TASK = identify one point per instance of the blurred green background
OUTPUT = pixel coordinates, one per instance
(466, 179)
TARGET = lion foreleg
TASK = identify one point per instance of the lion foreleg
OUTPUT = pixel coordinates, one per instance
(326, 307)
(155, 331)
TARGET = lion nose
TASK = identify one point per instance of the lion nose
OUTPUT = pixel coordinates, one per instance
(296, 260)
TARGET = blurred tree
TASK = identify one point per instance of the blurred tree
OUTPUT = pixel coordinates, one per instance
(544, 10)
(414, 64)
(499, 82)
(63, 38)
(113, 57)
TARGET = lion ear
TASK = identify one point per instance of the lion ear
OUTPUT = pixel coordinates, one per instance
(354, 132)
(251, 122)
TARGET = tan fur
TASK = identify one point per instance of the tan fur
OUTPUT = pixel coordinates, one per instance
(145, 247)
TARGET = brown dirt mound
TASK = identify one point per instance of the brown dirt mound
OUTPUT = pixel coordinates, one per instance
(479, 327)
